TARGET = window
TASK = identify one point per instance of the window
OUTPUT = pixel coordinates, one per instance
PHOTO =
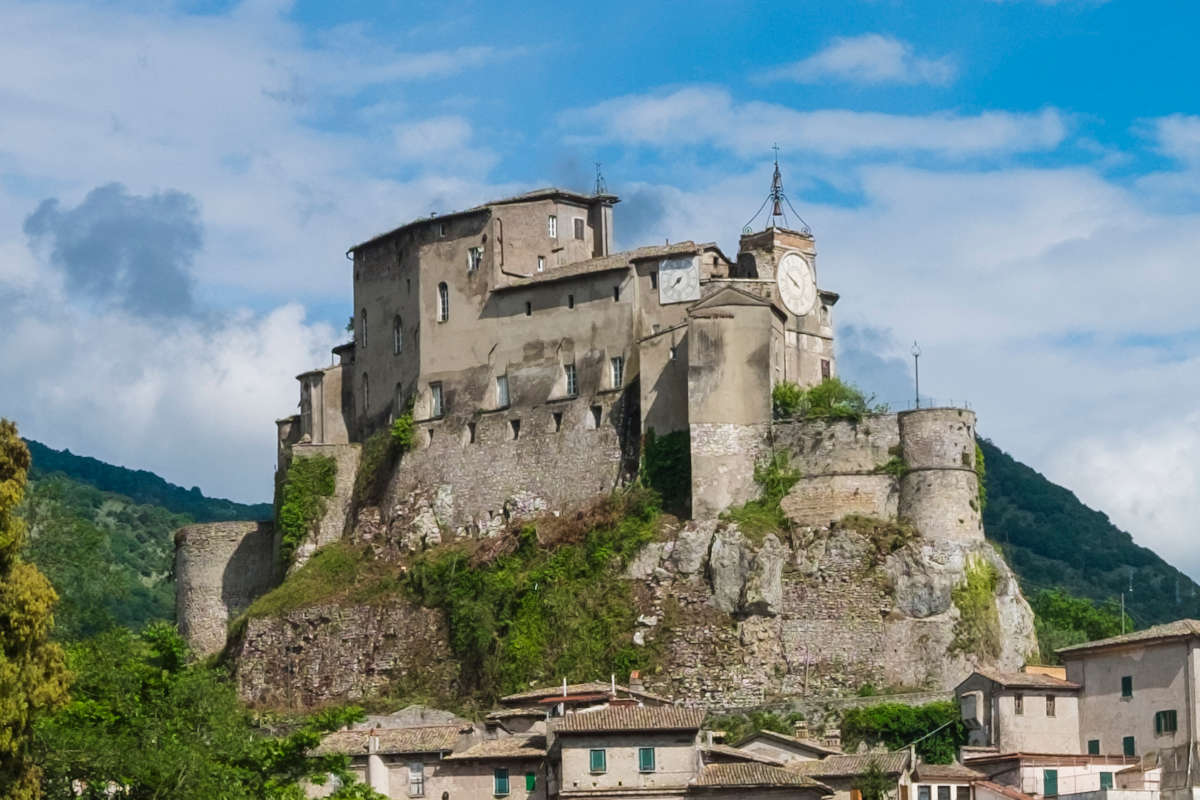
(597, 414)
(1018, 704)
(515, 426)
(923, 792)
(366, 384)
(825, 369)
(443, 302)
(501, 391)
(437, 405)
(1050, 782)
(441, 229)
(474, 258)
(397, 335)
(1165, 723)
(654, 279)
(557, 416)
(363, 326)
(1106, 781)
(570, 301)
(1128, 746)
(470, 433)
(645, 759)
(1093, 747)
(617, 370)
(416, 779)
(578, 228)
(597, 761)
(541, 263)
(552, 226)
(572, 380)
(500, 781)
(1049, 705)
(528, 309)
(616, 294)
(530, 781)
(1127, 686)
(943, 793)
(962, 793)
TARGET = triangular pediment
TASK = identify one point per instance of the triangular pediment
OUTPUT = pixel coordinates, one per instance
(732, 296)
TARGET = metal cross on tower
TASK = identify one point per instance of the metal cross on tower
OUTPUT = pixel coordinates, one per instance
(778, 199)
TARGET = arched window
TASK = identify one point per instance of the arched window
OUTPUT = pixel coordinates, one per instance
(443, 302)
(366, 395)
(397, 335)
(363, 325)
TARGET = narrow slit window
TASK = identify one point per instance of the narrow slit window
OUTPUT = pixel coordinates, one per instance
(515, 425)
(654, 279)
(557, 416)
(437, 406)
(441, 229)
(617, 371)
(570, 301)
(541, 265)
(528, 308)
(363, 327)
(443, 302)
(597, 415)
(397, 335)
(1018, 704)
(470, 433)
(501, 391)
(616, 294)
(1049, 705)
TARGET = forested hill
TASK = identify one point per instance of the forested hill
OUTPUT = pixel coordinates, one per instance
(140, 486)
(1052, 540)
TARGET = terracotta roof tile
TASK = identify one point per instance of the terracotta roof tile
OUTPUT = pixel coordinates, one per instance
(616, 719)
(508, 713)
(716, 776)
(1007, 791)
(807, 744)
(848, 766)
(718, 752)
(1180, 628)
(947, 772)
(505, 747)
(423, 739)
(612, 261)
(1026, 680)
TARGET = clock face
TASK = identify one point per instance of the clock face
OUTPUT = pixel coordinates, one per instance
(678, 280)
(797, 287)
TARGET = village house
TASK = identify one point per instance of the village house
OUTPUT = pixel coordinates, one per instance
(1012, 712)
(786, 749)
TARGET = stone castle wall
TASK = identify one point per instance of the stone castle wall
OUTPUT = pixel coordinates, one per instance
(338, 509)
(220, 568)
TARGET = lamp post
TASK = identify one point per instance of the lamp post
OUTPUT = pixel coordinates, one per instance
(916, 354)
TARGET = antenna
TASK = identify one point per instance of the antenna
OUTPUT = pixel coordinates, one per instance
(778, 199)
(601, 187)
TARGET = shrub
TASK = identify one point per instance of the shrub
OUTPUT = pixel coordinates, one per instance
(895, 466)
(978, 627)
(981, 476)
(887, 536)
(786, 399)
(307, 487)
(829, 399)
(403, 432)
(764, 515)
(740, 726)
(667, 468)
(894, 725)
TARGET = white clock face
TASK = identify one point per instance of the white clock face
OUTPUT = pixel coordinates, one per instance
(797, 287)
(678, 280)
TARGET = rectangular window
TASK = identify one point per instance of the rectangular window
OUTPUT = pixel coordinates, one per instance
(530, 781)
(1050, 783)
(597, 415)
(923, 792)
(443, 302)
(1106, 781)
(578, 228)
(1093, 747)
(570, 301)
(962, 793)
(616, 294)
(501, 391)
(598, 761)
(654, 279)
(943, 793)
(1127, 686)
(437, 406)
(441, 229)
(416, 779)
(515, 426)
(617, 364)
(645, 759)
(500, 781)
(572, 380)
(474, 258)
(825, 369)
(1049, 705)
(1018, 704)
(541, 263)
(1165, 723)
(552, 226)
(1128, 746)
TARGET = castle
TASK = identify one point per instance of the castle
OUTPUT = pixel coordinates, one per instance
(534, 360)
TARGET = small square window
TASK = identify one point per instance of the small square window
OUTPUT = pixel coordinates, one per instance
(645, 759)
(1165, 723)
(1093, 747)
(598, 761)
(552, 226)
(1128, 746)
(1127, 686)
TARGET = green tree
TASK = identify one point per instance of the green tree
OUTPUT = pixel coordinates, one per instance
(1062, 620)
(145, 722)
(895, 725)
(33, 676)
(874, 783)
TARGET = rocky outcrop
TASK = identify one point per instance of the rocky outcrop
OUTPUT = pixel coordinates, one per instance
(326, 654)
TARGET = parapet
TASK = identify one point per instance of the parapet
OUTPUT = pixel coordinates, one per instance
(939, 491)
(220, 568)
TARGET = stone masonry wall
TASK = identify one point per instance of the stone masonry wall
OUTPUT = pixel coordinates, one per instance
(220, 568)
(338, 508)
(723, 459)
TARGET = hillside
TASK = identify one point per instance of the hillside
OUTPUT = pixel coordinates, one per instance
(104, 536)
(1053, 540)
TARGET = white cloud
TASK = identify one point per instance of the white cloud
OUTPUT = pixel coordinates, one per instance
(872, 59)
(703, 115)
(1178, 136)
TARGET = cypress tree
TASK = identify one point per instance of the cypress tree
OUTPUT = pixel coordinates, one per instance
(33, 675)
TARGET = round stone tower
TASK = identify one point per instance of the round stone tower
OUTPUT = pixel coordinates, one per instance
(940, 491)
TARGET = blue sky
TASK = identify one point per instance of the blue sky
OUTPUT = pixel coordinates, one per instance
(1014, 184)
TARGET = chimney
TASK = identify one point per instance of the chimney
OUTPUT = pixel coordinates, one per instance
(833, 738)
(635, 681)
(800, 729)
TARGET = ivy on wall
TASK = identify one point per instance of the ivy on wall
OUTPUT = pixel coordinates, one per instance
(978, 627)
(667, 468)
(307, 487)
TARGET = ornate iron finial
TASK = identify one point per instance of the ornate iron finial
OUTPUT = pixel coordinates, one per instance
(601, 187)
(778, 199)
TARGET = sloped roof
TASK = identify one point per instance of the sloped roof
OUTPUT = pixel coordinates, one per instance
(723, 751)
(1179, 629)
(1026, 680)
(792, 741)
(591, 687)
(1007, 791)
(502, 748)
(715, 776)
(608, 263)
(850, 765)
(422, 739)
(947, 772)
(620, 719)
(509, 713)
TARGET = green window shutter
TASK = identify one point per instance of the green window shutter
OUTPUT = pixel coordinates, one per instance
(646, 759)
(1093, 747)
(500, 781)
(530, 781)
(1128, 747)
(1050, 782)
(1127, 686)
(598, 761)
(1106, 780)
(1158, 723)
